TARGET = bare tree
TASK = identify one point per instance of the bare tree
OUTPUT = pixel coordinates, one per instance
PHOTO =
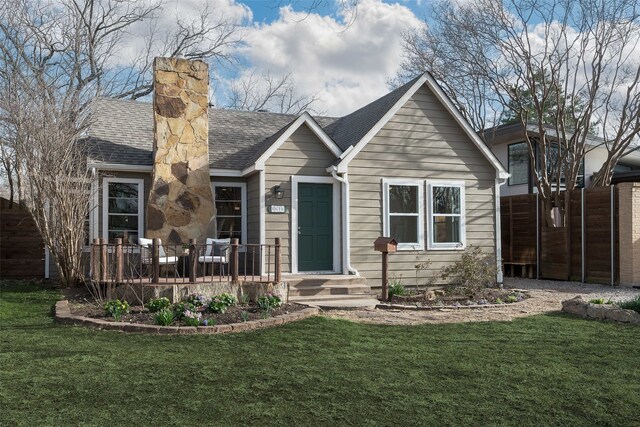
(55, 58)
(268, 93)
(541, 58)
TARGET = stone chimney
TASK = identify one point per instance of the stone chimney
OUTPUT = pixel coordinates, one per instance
(180, 205)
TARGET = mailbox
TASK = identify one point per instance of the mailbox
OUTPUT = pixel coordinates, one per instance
(385, 244)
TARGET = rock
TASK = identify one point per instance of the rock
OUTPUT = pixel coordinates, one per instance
(623, 316)
(576, 306)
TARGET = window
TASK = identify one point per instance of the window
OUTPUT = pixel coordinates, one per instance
(231, 210)
(518, 163)
(123, 208)
(446, 215)
(404, 219)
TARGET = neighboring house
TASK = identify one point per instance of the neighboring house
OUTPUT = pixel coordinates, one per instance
(508, 144)
(406, 165)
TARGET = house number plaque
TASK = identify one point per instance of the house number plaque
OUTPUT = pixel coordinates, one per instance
(277, 209)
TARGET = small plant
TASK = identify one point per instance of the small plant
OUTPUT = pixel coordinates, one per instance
(164, 317)
(632, 304)
(512, 299)
(597, 301)
(266, 313)
(396, 287)
(179, 309)
(197, 300)
(158, 304)
(244, 299)
(191, 318)
(499, 301)
(220, 303)
(116, 308)
(269, 301)
(244, 316)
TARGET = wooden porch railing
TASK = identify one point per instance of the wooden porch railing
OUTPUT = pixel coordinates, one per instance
(120, 262)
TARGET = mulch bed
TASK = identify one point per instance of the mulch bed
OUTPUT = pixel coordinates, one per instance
(80, 304)
(440, 298)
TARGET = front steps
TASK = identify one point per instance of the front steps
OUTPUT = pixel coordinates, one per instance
(331, 291)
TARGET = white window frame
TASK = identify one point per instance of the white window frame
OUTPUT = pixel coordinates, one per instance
(105, 203)
(386, 228)
(431, 245)
(243, 208)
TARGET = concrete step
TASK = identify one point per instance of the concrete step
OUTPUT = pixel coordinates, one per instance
(324, 287)
(301, 281)
(305, 299)
(344, 304)
(308, 290)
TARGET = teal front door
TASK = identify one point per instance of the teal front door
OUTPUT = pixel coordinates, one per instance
(315, 227)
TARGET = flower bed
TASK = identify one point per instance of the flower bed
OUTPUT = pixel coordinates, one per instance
(195, 311)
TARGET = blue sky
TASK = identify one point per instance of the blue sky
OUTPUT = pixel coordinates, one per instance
(344, 66)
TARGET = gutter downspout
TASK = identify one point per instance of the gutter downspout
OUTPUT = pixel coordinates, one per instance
(499, 183)
(346, 247)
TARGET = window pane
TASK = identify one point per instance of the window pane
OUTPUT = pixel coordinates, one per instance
(229, 228)
(403, 199)
(404, 228)
(229, 208)
(123, 222)
(446, 200)
(446, 229)
(228, 193)
(518, 163)
(123, 190)
(132, 236)
(121, 205)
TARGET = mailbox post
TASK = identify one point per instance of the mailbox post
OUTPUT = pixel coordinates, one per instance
(385, 245)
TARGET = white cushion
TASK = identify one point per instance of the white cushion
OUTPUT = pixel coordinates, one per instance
(209, 259)
(223, 244)
(148, 244)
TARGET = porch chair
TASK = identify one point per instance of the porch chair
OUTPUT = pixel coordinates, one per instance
(146, 246)
(216, 252)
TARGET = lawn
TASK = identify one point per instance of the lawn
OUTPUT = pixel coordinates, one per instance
(540, 370)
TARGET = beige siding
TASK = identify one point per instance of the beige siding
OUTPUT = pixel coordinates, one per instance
(302, 154)
(253, 208)
(422, 141)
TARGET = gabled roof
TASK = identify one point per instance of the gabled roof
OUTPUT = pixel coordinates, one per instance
(352, 128)
(121, 132)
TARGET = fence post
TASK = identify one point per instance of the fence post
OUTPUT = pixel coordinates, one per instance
(103, 260)
(155, 261)
(95, 260)
(192, 260)
(583, 243)
(278, 261)
(234, 260)
(612, 238)
(385, 276)
(119, 261)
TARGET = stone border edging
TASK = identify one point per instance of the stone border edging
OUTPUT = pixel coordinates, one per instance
(587, 310)
(63, 315)
(440, 307)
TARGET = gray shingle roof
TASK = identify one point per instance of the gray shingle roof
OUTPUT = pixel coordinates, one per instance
(121, 132)
(350, 129)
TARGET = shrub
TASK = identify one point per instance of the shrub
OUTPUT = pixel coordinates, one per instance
(474, 271)
(632, 304)
(116, 308)
(197, 300)
(597, 301)
(164, 317)
(269, 302)
(158, 304)
(512, 299)
(220, 303)
(179, 309)
(244, 316)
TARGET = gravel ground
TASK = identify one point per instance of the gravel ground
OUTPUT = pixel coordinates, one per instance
(546, 296)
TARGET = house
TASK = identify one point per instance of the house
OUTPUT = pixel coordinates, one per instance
(407, 165)
(509, 145)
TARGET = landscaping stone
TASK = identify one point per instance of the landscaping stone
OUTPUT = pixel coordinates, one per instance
(221, 329)
(576, 306)
(611, 312)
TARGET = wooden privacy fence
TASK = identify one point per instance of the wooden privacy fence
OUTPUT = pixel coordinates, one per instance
(586, 249)
(22, 252)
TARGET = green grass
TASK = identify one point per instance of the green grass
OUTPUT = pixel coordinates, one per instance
(542, 370)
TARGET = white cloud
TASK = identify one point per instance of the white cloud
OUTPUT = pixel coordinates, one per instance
(347, 66)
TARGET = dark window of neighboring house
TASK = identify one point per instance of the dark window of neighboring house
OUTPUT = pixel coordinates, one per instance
(552, 159)
(518, 163)
(229, 211)
(622, 168)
